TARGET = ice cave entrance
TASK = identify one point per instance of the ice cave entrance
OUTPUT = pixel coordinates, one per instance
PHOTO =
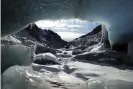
(68, 29)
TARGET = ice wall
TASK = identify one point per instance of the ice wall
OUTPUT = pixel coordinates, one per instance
(105, 38)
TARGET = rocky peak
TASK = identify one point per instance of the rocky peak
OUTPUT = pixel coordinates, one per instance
(86, 42)
(43, 36)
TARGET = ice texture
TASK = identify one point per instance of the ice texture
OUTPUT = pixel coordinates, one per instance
(13, 52)
(22, 77)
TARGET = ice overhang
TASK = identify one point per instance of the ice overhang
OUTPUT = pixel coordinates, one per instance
(116, 15)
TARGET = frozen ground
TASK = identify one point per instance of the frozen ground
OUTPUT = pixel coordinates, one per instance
(68, 75)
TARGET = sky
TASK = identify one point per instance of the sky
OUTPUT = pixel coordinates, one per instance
(68, 29)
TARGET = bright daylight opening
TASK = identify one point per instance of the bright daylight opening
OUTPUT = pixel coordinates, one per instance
(68, 29)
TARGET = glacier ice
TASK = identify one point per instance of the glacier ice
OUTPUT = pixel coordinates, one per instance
(14, 52)
(22, 77)
(15, 55)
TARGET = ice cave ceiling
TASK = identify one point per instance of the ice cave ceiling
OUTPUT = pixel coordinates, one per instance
(116, 15)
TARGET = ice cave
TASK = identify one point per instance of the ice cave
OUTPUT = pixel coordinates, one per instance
(27, 64)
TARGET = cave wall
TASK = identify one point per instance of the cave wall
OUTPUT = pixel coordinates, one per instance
(116, 15)
(130, 50)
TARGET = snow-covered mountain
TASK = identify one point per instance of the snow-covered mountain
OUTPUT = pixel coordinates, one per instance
(86, 42)
(43, 36)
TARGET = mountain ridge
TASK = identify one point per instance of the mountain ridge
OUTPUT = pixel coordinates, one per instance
(43, 36)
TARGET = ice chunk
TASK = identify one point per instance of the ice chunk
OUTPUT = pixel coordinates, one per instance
(17, 77)
(49, 56)
(45, 58)
(15, 55)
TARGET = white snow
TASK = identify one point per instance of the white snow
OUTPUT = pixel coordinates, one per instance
(80, 76)
(48, 56)
(69, 78)
(8, 39)
(109, 84)
(98, 48)
(98, 71)
(70, 75)
(91, 75)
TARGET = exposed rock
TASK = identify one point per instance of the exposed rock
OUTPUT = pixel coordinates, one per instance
(107, 56)
(77, 51)
(111, 61)
(43, 49)
(89, 39)
(43, 36)
(86, 42)
(94, 31)
(65, 53)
